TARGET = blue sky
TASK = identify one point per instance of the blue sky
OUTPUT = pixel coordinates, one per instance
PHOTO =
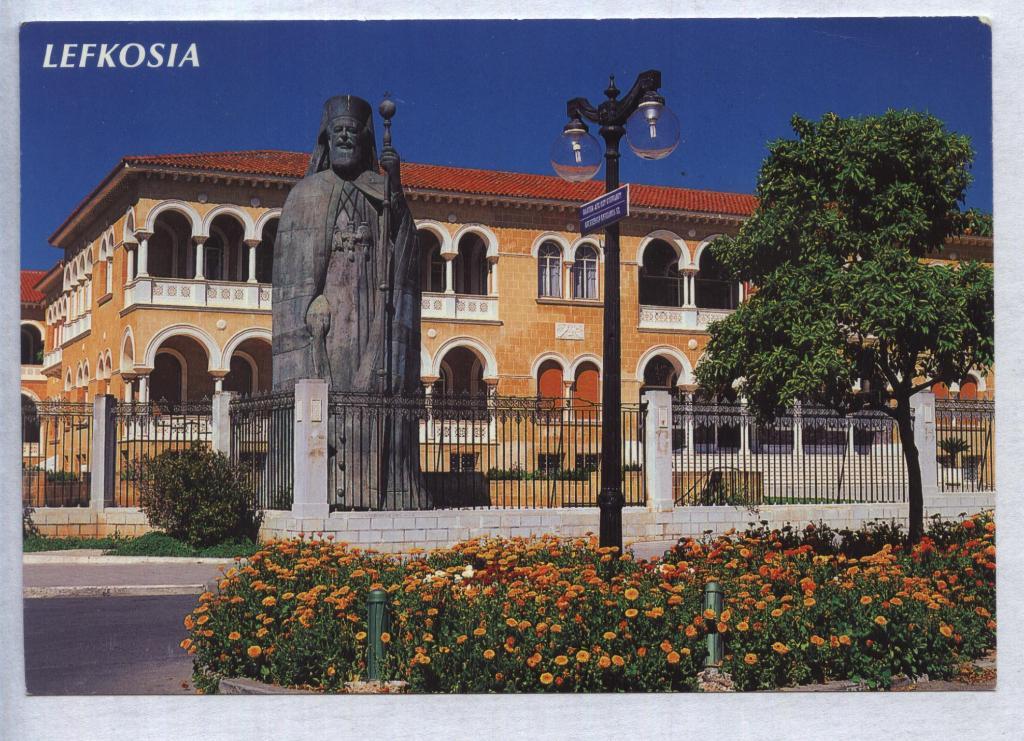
(487, 94)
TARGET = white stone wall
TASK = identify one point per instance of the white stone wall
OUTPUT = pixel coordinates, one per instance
(395, 531)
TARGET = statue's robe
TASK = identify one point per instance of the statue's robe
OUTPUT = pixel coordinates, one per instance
(330, 261)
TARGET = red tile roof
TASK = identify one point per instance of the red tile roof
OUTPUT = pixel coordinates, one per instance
(441, 178)
(29, 293)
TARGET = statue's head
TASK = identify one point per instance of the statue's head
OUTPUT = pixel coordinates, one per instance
(346, 140)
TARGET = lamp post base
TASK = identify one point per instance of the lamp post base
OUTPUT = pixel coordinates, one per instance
(610, 501)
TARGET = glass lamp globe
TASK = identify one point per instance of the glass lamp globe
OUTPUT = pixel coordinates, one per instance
(653, 130)
(576, 155)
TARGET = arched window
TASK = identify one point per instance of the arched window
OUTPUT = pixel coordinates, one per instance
(432, 266)
(586, 391)
(31, 345)
(471, 266)
(240, 378)
(549, 270)
(660, 373)
(213, 259)
(941, 390)
(265, 253)
(549, 381)
(968, 388)
(584, 273)
(660, 281)
(167, 380)
(712, 285)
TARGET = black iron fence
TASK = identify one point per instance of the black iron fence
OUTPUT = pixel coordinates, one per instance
(56, 448)
(143, 430)
(965, 444)
(262, 443)
(429, 452)
(807, 455)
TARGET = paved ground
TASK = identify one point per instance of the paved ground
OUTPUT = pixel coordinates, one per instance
(63, 574)
(107, 646)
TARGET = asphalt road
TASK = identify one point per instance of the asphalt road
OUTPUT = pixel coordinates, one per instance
(107, 646)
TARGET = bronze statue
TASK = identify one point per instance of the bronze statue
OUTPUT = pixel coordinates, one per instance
(345, 246)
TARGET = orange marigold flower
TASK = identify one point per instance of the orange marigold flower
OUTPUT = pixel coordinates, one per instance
(489, 654)
(186, 643)
(608, 635)
(583, 656)
(561, 660)
(865, 600)
(361, 635)
(844, 640)
(631, 594)
(604, 662)
(780, 648)
(546, 678)
(642, 651)
(690, 631)
(726, 615)
(385, 638)
(896, 601)
(709, 614)
(672, 658)
(331, 671)
(946, 630)
(189, 622)
(269, 601)
(462, 639)
(632, 612)
(203, 619)
(512, 623)
(254, 651)
(479, 631)
(556, 628)
(618, 660)
(777, 612)
(809, 602)
(817, 640)
(722, 627)
(881, 620)
(742, 625)
(234, 635)
(675, 599)
(533, 660)
(750, 659)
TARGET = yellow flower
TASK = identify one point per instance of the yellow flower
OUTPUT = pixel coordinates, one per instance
(946, 630)
(672, 658)
(561, 660)
(234, 635)
(750, 659)
(489, 654)
(361, 635)
(268, 602)
(261, 632)
(631, 612)
(880, 620)
(254, 651)
(583, 656)
(631, 594)
(742, 625)
(608, 635)
(330, 671)
(809, 602)
(512, 623)
(546, 678)
(780, 648)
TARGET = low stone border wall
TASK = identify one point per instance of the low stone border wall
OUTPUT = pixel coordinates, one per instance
(85, 522)
(395, 531)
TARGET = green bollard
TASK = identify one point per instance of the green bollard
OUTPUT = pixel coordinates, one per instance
(713, 602)
(377, 623)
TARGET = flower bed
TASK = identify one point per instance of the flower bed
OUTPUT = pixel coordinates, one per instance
(545, 614)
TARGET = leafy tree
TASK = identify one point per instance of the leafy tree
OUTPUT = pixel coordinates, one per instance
(848, 211)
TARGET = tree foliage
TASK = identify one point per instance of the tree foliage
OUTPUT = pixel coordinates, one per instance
(850, 211)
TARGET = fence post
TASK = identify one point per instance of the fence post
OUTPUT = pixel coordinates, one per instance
(658, 450)
(102, 456)
(220, 424)
(309, 494)
(923, 405)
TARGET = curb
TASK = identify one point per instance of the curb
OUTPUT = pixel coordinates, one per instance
(33, 558)
(142, 590)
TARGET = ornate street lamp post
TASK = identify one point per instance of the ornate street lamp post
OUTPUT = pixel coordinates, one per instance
(652, 132)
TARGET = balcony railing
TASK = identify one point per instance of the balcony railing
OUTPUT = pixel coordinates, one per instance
(74, 330)
(52, 359)
(32, 372)
(459, 306)
(679, 317)
(152, 291)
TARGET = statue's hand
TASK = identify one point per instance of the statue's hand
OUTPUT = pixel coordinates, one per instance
(318, 317)
(391, 164)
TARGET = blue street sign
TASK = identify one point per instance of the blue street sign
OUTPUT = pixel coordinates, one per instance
(604, 210)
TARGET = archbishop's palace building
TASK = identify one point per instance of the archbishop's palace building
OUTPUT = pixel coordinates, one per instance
(163, 290)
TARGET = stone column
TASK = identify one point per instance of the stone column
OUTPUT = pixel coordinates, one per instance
(658, 450)
(923, 405)
(129, 264)
(143, 254)
(104, 442)
(567, 287)
(252, 244)
(798, 429)
(689, 290)
(199, 241)
(309, 493)
(220, 424)
(744, 428)
(143, 380)
(493, 287)
(449, 273)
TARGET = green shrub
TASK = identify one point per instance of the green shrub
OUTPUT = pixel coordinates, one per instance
(198, 496)
(62, 476)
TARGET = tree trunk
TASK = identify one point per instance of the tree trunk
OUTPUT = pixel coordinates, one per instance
(915, 494)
